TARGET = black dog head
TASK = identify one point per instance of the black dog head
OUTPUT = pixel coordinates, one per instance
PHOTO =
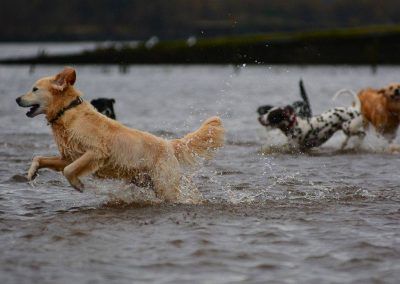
(279, 117)
(105, 106)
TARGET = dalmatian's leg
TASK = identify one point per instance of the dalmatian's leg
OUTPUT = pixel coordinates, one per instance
(351, 128)
(361, 135)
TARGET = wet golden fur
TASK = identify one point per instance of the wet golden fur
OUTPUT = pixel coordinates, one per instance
(91, 143)
(381, 108)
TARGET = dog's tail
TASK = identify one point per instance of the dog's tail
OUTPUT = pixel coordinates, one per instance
(201, 143)
(304, 96)
(357, 104)
(303, 93)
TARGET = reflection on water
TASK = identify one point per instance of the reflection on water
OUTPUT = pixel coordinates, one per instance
(264, 215)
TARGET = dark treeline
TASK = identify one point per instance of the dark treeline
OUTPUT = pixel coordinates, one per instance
(172, 19)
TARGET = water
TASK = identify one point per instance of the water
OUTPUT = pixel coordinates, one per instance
(329, 216)
(28, 49)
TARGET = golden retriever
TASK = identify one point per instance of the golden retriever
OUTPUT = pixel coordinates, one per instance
(91, 143)
(381, 108)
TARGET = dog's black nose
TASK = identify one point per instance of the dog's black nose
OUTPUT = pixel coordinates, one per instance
(18, 100)
(397, 92)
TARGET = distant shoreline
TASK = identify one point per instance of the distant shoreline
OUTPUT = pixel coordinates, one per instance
(378, 45)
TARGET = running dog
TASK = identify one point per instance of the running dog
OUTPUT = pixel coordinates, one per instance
(91, 143)
(312, 132)
(301, 108)
(105, 106)
(381, 108)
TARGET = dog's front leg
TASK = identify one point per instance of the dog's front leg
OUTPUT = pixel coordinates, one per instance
(38, 162)
(87, 164)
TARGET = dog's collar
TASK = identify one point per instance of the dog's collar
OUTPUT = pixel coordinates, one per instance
(73, 104)
(292, 122)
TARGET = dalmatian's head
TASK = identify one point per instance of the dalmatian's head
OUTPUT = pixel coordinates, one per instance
(279, 117)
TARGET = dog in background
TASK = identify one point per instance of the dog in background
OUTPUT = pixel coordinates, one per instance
(301, 108)
(306, 133)
(381, 108)
(105, 106)
(91, 143)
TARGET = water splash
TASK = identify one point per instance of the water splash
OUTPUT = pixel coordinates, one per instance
(118, 193)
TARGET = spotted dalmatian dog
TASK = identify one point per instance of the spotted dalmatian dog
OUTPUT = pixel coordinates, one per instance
(306, 133)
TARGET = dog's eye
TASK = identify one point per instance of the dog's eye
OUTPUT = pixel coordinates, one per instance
(34, 89)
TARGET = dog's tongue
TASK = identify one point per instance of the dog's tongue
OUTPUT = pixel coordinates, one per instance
(32, 111)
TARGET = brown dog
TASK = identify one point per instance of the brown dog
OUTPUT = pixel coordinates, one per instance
(90, 142)
(381, 108)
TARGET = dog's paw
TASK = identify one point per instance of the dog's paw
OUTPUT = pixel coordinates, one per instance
(31, 176)
(32, 172)
(78, 185)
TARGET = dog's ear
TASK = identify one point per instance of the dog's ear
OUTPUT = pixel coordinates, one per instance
(112, 101)
(381, 91)
(264, 109)
(65, 78)
(289, 109)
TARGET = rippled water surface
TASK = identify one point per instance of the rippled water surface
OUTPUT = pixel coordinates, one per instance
(328, 216)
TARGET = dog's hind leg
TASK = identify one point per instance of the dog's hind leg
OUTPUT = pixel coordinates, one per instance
(166, 179)
(353, 128)
(87, 164)
(38, 162)
(361, 135)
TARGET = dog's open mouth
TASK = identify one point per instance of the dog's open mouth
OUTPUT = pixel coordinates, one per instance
(32, 110)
